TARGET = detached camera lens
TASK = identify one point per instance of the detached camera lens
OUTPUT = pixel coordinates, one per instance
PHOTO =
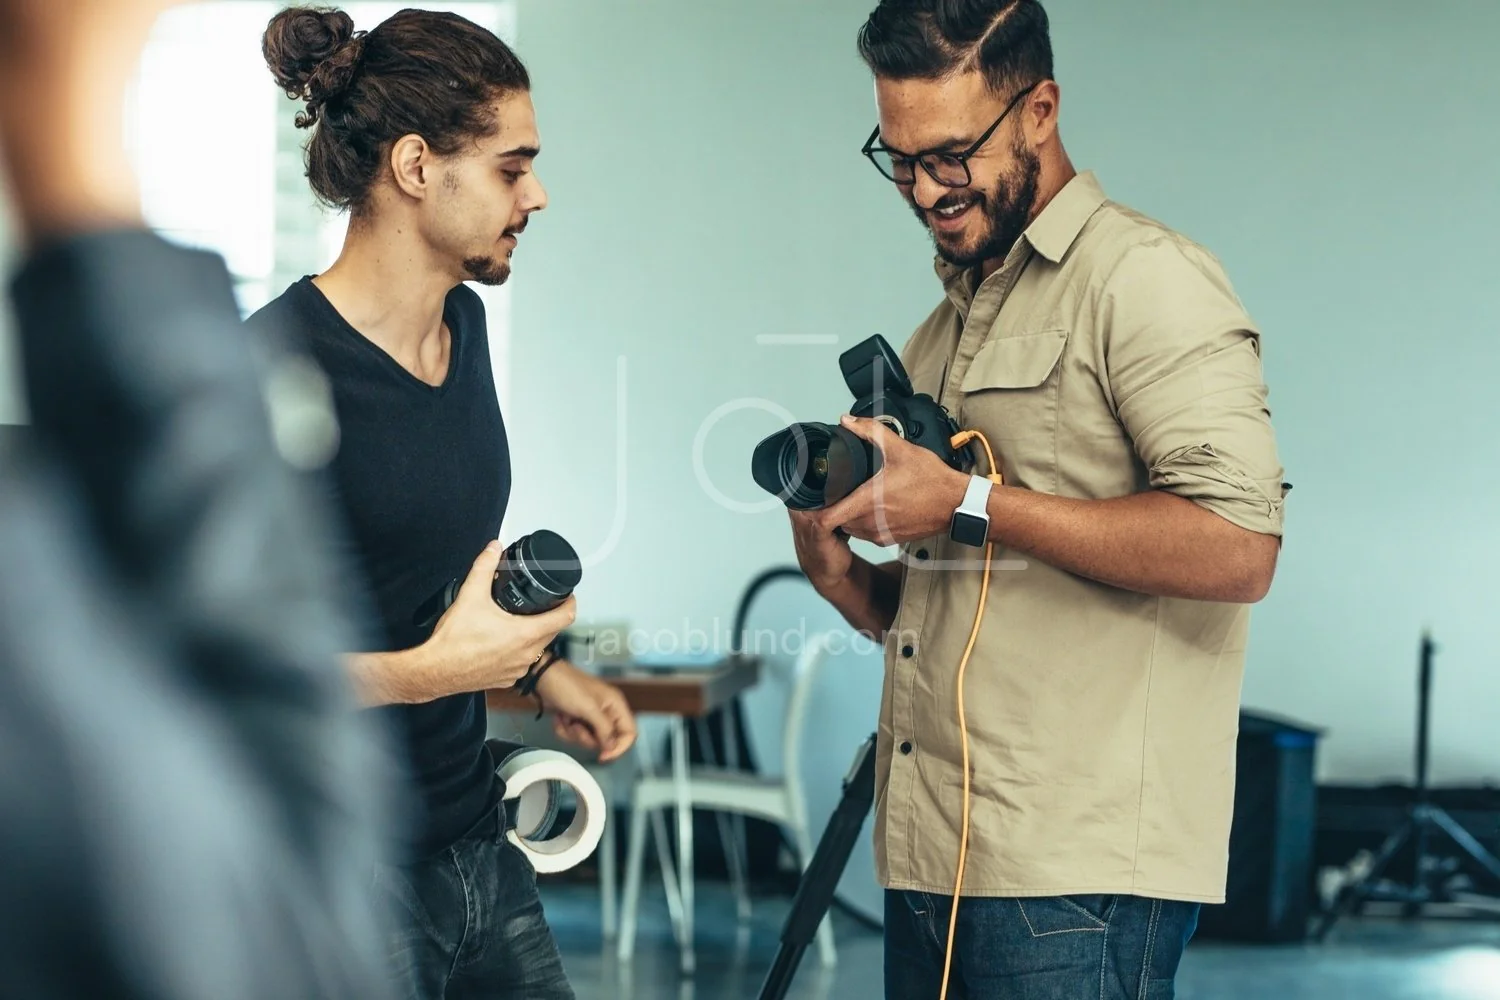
(536, 573)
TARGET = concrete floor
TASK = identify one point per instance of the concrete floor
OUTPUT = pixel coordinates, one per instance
(1368, 959)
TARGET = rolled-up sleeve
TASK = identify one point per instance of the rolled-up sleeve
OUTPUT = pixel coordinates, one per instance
(1184, 370)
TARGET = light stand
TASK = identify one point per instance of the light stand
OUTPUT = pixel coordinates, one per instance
(1423, 820)
(821, 878)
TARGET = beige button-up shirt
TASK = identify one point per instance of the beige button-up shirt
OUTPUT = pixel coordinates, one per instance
(1107, 356)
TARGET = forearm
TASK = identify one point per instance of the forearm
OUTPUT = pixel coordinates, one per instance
(404, 677)
(1152, 542)
(868, 596)
(435, 669)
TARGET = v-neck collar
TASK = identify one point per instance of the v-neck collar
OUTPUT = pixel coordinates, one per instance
(384, 357)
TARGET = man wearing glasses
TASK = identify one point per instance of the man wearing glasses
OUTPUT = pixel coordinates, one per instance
(1108, 361)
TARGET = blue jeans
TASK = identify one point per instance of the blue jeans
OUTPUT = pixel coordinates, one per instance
(467, 924)
(1052, 948)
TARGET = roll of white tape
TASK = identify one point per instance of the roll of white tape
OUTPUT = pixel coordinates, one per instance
(534, 780)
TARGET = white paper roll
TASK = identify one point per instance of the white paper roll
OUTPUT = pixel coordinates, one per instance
(534, 779)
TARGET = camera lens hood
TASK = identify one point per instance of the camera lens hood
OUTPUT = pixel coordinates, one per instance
(852, 461)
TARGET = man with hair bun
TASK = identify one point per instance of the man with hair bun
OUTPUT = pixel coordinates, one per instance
(423, 130)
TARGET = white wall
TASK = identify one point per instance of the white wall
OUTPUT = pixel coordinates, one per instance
(1342, 160)
(707, 188)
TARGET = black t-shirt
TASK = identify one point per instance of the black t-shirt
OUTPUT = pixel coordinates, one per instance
(422, 478)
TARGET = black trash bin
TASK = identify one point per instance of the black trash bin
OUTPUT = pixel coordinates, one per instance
(1270, 892)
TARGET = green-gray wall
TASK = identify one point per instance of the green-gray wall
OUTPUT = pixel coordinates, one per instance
(1342, 158)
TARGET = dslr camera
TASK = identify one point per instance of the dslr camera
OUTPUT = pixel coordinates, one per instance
(813, 465)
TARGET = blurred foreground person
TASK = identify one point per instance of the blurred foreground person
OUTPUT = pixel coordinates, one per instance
(188, 808)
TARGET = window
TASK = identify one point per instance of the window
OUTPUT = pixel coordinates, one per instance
(220, 161)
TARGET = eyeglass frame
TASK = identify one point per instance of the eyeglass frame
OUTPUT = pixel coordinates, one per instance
(869, 149)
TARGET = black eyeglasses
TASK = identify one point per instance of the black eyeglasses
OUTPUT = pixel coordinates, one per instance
(948, 169)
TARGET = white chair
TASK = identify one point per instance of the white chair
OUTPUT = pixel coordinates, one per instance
(774, 795)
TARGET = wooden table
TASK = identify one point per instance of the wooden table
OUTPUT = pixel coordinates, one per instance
(678, 693)
(684, 692)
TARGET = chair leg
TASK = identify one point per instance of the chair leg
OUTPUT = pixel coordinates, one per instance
(826, 950)
(608, 903)
(736, 862)
(739, 863)
(668, 869)
(684, 841)
(630, 906)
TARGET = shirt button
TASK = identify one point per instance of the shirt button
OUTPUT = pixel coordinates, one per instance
(906, 747)
(908, 651)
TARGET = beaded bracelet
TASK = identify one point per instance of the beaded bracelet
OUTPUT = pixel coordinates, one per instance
(526, 687)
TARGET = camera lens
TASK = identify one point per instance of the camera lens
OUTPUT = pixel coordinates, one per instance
(537, 573)
(812, 465)
(851, 462)
(803, 464)
(817, 473)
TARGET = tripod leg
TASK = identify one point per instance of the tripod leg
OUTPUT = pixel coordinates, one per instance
(822, 875)
(1354, 892)
(1466, 841)
(1421, 873)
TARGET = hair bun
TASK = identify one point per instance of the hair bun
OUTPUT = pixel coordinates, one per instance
(313, 53)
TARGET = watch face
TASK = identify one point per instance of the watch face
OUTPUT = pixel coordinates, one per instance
(969, 529)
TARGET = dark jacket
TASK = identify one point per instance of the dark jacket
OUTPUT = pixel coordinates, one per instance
(188, 803)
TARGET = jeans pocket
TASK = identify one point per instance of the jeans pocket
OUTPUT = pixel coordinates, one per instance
(1046, 915)
(519, 862)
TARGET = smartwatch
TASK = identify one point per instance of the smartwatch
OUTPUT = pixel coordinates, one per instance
(971, 519)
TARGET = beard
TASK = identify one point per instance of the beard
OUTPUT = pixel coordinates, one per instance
(487, 270)
(1006, 211)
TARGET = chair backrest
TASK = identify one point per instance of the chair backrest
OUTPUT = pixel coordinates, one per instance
(785, 623)
(799, 706)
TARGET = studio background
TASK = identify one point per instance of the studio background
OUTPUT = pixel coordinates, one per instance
(714, 237)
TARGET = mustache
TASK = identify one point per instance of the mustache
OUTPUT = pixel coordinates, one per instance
(513, 230)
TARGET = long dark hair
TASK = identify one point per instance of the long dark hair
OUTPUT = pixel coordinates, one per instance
(418, 72)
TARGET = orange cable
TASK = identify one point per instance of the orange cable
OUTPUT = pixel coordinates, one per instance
(960, 440)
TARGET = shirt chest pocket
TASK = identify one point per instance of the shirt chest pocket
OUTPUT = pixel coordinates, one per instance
(1010, 393)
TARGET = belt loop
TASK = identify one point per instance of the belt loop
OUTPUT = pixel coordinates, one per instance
(497, 789)
(501, 824)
